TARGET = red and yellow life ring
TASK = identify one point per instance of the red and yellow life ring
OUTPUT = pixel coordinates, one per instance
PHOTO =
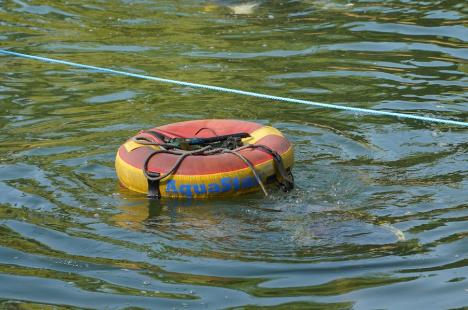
(203, 175)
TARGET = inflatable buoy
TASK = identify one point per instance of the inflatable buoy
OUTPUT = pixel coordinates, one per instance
(204, 159)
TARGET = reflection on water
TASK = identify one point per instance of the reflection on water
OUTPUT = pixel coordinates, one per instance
(378, 216)
(251, 7)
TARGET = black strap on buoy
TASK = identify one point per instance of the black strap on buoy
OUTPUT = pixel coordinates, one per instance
(158, 135)
(217, 139)
(153, 186)
(230, 141)
(284, 178)
(153, 179)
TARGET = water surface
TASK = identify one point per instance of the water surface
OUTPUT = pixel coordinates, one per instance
(378, 218)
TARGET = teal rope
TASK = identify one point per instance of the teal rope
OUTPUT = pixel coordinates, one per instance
(240, 92)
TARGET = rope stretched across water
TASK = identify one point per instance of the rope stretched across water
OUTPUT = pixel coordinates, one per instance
(240, 92)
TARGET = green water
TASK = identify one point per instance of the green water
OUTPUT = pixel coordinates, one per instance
(378, 218)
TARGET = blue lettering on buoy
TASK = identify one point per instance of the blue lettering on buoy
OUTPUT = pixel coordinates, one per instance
(186, 190)
(171, 187)
(226, 184)
(213, 188)
(199, 188)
